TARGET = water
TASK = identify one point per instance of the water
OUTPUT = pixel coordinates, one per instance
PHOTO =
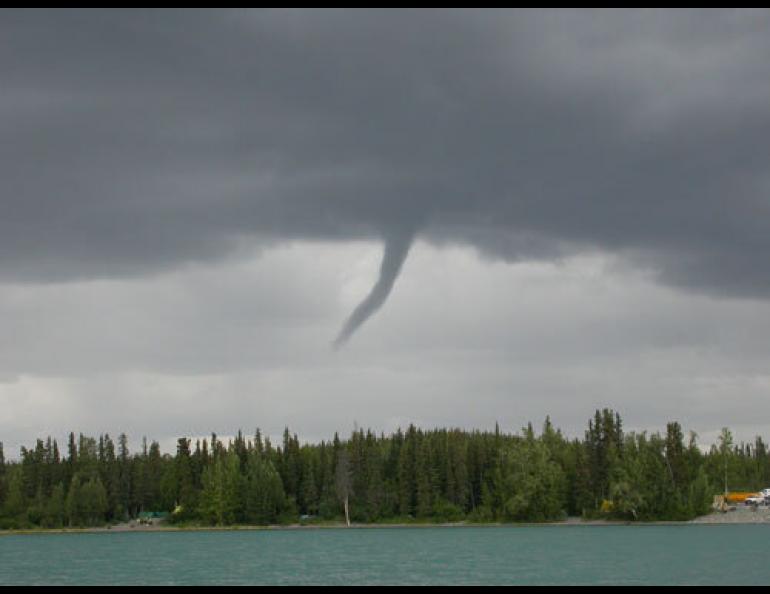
(734, 554)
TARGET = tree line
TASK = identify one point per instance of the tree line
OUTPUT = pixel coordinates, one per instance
(437, 475)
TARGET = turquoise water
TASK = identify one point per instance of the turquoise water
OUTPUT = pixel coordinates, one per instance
(494, 555)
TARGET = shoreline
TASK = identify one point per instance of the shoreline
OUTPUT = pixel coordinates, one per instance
(716, 519)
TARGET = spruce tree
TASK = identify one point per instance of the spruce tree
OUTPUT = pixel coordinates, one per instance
(2, 475)
(14, 507)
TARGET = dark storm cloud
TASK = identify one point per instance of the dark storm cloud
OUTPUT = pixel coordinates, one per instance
(134, 141)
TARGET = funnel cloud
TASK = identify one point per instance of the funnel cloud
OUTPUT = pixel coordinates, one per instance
(394, 253)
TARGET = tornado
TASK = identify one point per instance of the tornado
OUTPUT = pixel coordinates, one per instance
(394, 253)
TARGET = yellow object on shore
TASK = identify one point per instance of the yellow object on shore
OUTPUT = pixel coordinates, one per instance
(738, 496)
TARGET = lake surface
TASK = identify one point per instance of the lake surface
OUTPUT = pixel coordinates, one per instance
(688, 554)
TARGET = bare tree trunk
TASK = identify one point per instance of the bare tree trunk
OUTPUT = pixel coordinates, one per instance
(342, 482)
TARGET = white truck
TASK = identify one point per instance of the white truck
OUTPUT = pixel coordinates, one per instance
(761, 498)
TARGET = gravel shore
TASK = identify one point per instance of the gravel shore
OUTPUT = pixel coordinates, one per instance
(740, 515)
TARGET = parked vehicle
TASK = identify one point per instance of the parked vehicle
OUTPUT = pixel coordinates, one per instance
(760, 498)
(739, 496)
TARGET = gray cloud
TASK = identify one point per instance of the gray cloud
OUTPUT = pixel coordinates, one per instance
(138, 141)
(242, 343)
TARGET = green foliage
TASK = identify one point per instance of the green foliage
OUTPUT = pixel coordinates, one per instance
(86, 503)
(441, 475)
(527, 485)
(15, 504)
(701, 494)
(220, 499)
(264, 499)
(55, 513)
(3, 473)
(445, 511)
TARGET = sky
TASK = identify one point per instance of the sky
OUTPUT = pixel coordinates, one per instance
(213, 220)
